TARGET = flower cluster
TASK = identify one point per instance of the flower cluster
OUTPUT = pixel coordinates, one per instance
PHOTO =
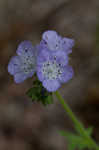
(49, 60)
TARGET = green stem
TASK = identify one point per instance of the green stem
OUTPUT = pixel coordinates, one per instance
(76, 122)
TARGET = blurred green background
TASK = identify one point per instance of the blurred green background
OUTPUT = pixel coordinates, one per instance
(31, 126)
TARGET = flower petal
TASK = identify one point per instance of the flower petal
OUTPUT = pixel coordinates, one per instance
(40, 75)
(14, 65)
(67, 45)
(52, 40)
(61, 57)
(49, 36)
(51, 85)
(25, 48)
(66, 75)
(19, 77)
(43, 56)
(29, 75)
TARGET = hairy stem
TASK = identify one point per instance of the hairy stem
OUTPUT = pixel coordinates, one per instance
(82, 131)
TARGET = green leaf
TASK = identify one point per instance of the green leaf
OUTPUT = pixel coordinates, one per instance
(75, 141)
(88, 130)
(71, 146)
(39, 93)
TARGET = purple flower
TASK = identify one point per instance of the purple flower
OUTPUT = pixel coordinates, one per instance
(53, 69)
(55, 42)
(23, 65)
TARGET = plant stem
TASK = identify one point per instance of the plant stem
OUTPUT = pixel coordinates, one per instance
(76, 122)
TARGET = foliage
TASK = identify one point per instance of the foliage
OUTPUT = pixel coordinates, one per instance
(39, 93)
(77, 141)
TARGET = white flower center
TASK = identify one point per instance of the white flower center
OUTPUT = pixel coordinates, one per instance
(51, 70)
(28, 64)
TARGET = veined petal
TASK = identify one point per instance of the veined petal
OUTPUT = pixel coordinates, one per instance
(51, 85)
